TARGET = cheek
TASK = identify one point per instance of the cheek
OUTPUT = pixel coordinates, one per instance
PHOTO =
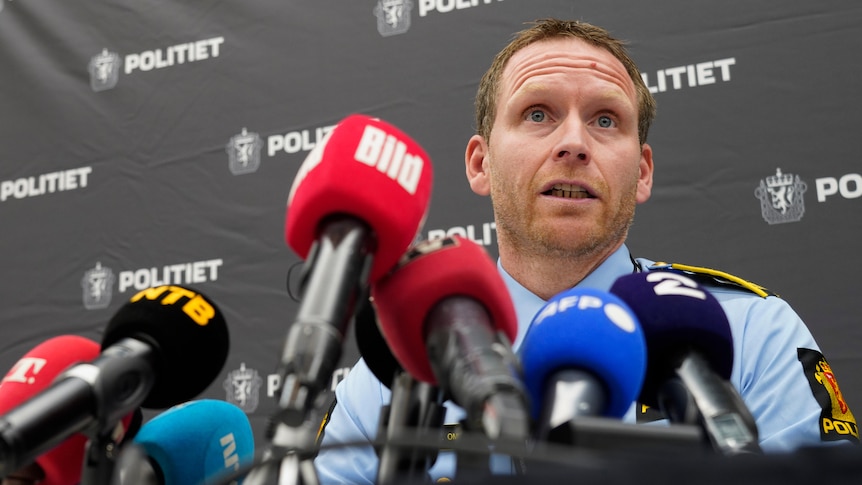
(513, 160)
(625, 184)
(498, 167)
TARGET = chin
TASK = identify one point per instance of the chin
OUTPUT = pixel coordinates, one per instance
(564, 244)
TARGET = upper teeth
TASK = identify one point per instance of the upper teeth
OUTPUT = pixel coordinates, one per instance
(568, 187)
(568, 190)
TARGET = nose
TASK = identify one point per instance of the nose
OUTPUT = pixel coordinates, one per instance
(571, 143)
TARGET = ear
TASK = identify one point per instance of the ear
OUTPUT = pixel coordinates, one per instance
(645, 177)
(474, 159)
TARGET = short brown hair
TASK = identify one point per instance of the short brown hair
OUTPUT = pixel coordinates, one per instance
(486, 97)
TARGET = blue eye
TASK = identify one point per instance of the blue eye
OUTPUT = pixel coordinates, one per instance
(537, 115)
(605, 121)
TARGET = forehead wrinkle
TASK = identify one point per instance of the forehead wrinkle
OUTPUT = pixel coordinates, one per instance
(522, 68)
(531, 86)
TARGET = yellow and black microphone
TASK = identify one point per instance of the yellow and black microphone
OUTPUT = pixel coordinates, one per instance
(145, 361)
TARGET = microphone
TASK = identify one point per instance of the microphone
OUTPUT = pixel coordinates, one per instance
(147, 359)
(356, 204)
(584, 355)
(195, 442)
(448, 319)
(415, 410)
(415, 414)
(31, 374)
(373, 347)
(690, 357)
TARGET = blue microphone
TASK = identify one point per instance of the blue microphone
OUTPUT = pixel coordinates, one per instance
(195, 442)
(583, 356)
(690, 357)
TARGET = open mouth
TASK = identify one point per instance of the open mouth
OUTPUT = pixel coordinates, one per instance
(568, 191)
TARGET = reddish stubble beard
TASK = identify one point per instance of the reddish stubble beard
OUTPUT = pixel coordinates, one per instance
(525, 234)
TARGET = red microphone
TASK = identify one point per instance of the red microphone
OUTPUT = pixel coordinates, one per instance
(449, 320)
(370, 171)
(357, 203)
(33, 373)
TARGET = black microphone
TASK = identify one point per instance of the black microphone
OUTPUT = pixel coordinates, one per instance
(148, 359)
(372, 345)
(690, 357)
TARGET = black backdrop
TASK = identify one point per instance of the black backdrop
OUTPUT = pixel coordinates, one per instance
(147, 141)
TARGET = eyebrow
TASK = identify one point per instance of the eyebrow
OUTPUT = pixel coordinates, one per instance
(600, 95)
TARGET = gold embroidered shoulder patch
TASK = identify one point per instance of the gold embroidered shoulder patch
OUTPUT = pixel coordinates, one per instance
(717, 276)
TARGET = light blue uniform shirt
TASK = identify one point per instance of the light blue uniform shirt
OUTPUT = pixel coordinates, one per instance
(766, 372)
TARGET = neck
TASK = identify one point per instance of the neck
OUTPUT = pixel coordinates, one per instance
(550, 273)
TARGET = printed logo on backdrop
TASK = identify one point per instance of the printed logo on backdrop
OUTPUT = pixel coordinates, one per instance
(848, 186)
(243, 151)
(97, 284)
(393, 16)
(297, 141)
(483, 234)
(46, 183)
(781, 197)
(104, 68)
(689, 76)
(273, 381)
(243, 388)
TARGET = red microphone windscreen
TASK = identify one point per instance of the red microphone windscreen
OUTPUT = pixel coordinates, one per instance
(429, 273)
(368, 169)
(34, 372)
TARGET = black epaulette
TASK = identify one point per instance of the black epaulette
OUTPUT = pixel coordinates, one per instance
(714, 276)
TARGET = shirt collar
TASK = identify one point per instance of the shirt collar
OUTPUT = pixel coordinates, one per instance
(527, 303)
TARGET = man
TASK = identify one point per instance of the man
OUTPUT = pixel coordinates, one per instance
(562, 120)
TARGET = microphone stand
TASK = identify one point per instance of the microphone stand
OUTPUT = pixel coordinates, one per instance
(100, 455)
(283, 462)
(695, 394)
(132, 467)
(415, 414)
(313, 345)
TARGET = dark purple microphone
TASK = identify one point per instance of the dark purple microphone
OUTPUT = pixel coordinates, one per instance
(689, 357)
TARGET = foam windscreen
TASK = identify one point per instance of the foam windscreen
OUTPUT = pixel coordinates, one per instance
(34, 372)
(188, 332)
(590, 330)
(677, 315)
(197, 441)
(367, 169)
(429, 273)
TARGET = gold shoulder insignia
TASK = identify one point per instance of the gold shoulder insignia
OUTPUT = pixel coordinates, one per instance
(719, 276)
(323, 422)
